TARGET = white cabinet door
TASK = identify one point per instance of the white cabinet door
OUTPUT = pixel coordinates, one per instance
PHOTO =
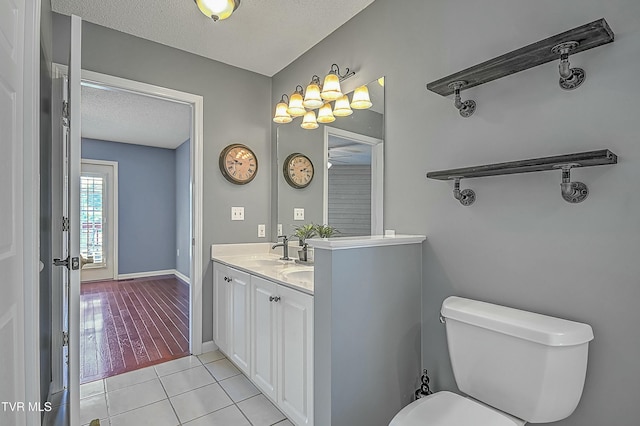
(295, 355)
(221, 303)
(263, 335)
(240, 319)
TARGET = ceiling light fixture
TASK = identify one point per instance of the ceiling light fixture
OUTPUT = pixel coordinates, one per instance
(217, 9)
(301, 103)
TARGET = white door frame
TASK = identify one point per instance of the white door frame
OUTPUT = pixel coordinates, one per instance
(112, 215)
(196, 138)
(377, 175)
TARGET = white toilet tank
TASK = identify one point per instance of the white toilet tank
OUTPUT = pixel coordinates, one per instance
(529, 365)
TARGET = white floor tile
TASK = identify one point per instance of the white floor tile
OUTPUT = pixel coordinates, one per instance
(222, 369)
(198, 402)
(186, 380)
(260, 411)
(93, 407)
(282, 423)
(176, 365)
(135, 396)
(131, 378)
(156, 414)
(211, 356)
(92, 388)
(229, 416)
(239, 388)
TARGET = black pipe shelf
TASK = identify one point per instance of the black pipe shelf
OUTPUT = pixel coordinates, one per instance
(588, 36)
(581, 159)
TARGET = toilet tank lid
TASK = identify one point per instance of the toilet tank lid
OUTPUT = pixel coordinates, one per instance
(526, 325)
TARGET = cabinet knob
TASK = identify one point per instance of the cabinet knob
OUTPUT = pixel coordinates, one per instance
(228, 279)
(274, 298)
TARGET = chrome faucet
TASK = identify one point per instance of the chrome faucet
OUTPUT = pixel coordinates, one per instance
(285, 247)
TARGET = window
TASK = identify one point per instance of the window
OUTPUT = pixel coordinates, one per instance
(92, 190)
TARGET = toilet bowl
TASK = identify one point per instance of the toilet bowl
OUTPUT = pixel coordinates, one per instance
(515, 366)
(450, 409)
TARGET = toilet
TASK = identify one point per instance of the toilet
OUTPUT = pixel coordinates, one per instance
(515, 367)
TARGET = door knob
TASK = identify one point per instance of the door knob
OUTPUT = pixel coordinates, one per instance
(84, 261)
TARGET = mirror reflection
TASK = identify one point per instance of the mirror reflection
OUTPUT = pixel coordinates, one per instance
(343, 185)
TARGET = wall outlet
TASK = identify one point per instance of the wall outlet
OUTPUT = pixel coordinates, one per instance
(298, 214)
(178, 252)
(262, 231)
(279, 229)
(237, 213)
(389, 232)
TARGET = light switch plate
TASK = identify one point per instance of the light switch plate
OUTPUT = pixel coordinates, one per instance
(298, 214)
(262, 232)
(237, 213)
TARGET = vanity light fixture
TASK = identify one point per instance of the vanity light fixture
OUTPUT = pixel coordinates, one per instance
(331, 88)
(300, 103)
(570, 78)
(361, 98)
(296, 108)
(342, 107)
(309, 121)
(282, 116)
(312, 98)
(325, 114)
(217, 9)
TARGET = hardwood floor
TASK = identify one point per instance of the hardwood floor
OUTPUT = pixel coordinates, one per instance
(130, 324)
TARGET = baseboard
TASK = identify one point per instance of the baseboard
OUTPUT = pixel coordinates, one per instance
(146, 274)
(182, 277)
(209, 346)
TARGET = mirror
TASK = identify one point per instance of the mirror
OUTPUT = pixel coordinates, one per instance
(346, 191)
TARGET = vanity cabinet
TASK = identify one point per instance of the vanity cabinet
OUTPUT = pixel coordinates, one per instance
(266, 330)
(282, 352)
(231, 292)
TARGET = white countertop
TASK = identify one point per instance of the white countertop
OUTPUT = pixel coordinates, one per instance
(342, 243)
(258, 259)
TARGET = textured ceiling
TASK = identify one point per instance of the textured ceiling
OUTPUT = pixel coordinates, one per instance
(245, 40)
(120, 116)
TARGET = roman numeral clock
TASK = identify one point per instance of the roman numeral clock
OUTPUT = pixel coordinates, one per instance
(298, 170)
(238, 164)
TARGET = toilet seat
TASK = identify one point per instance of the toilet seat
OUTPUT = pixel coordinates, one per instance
(449, 409)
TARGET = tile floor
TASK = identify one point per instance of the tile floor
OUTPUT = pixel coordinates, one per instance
(192, 391)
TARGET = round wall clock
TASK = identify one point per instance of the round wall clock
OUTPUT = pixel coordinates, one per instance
(298, 170)
(238, 164)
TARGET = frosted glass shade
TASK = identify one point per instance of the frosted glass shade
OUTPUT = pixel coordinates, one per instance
(312, 99)
(282, 116)
(309, 121)
(216, 9)
(342, 108)
(325, 115)
(296, 109)
(331, 88)
(361, 99)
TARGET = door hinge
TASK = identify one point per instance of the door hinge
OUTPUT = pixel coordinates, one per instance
(65, 338)
(65, 114)
(65, 224)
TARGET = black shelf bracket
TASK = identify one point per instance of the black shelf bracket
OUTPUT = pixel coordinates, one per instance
(572, 192)
(557, 47)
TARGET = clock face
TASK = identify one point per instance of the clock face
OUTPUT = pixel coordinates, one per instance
(238, 164)
(298, 170)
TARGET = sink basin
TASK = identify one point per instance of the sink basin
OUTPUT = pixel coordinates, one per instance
(304, 275)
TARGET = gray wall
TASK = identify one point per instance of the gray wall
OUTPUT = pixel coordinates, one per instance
(225, 90)
(146, 203)
(183, 207)
(520, 245)
(45, 199)
(292, 138)
(350, 199)
(366, 333)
